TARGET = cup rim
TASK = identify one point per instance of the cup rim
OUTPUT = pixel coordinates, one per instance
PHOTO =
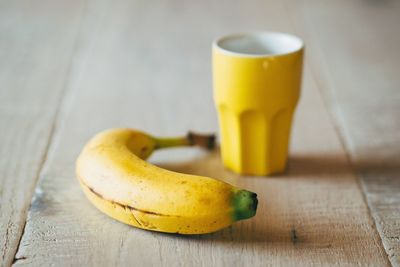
(216, 44)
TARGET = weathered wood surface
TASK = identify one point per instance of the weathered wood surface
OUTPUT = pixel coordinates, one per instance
(353, 48)
(147, 66)
(36, 47)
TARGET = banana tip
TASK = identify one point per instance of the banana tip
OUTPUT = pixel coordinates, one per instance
(244, 205)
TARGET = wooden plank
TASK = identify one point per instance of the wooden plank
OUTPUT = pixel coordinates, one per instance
(149, 68)
(36, 44)
(356, 60)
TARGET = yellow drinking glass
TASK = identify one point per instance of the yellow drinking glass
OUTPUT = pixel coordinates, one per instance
(257, 80)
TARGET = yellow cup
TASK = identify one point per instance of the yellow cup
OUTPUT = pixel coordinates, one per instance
(257, 80)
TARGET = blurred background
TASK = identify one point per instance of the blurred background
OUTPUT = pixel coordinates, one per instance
(69, 69)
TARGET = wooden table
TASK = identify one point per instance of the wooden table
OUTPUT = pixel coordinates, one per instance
(69, 69)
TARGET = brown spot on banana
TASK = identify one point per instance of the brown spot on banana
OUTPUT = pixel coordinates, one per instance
(134, 217)
(124, 205)
(91, 190)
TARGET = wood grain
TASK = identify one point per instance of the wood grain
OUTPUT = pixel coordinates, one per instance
(355, 60)
(148, 66)
(36, 46)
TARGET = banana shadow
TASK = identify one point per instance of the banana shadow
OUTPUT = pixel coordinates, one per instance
(242, 232)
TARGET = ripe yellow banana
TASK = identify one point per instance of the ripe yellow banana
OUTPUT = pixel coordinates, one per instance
(116, 178)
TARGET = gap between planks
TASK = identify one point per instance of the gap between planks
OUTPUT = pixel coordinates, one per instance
(54, 126)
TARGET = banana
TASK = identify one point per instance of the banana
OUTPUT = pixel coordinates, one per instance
(115, 177)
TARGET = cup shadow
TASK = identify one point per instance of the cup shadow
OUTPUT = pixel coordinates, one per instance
(302, 165)
(337, 164)
(317, 165)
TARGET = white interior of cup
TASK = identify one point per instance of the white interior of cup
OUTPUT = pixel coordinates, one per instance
(260, 44)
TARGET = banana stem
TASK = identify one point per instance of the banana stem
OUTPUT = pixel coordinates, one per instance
(206, 141)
